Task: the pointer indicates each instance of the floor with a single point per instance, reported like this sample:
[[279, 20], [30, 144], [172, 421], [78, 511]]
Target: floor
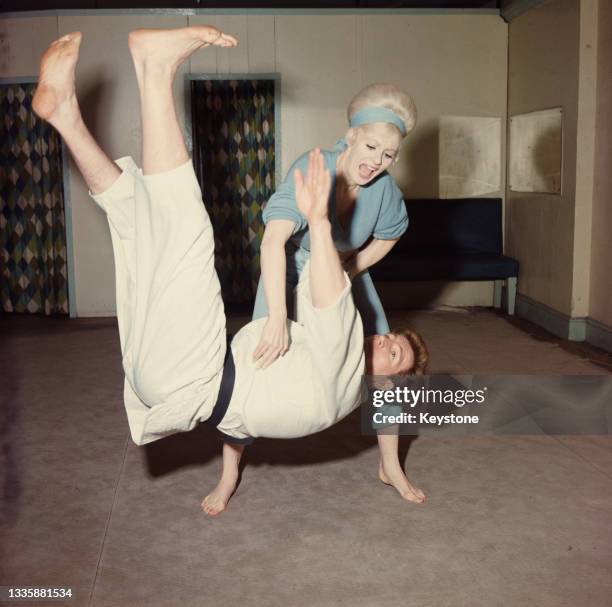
[[510, 520]]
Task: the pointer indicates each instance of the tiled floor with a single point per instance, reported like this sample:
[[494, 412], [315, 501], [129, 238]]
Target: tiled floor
[[509, 521]]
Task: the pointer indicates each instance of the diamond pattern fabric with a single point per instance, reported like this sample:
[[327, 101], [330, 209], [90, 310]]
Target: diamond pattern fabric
[[233, 123], [33, 260]]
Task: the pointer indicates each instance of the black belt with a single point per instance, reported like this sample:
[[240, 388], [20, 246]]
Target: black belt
[[224, 397]]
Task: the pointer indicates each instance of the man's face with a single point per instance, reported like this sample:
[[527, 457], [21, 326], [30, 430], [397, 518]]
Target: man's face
[[388, 354], [372, 149]]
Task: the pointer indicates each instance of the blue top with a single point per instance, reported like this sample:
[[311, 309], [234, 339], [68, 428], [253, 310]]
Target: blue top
[[379, 210]]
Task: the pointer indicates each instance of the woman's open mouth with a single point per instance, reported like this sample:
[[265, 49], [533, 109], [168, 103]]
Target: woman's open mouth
[[366, 172]]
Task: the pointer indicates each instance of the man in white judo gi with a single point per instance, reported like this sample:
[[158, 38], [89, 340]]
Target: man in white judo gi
[[178, 370]]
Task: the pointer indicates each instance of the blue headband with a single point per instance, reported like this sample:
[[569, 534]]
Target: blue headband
[[377, 114]]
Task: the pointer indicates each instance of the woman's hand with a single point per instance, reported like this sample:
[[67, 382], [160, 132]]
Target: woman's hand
[[367, 257], [350, 265], [312, 190], [273, 343]]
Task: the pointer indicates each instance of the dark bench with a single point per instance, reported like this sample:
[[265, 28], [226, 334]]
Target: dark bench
[[452, 239]]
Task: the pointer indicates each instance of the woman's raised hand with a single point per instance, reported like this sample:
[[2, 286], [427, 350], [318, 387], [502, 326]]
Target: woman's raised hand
[[312, 190], [273, 342]]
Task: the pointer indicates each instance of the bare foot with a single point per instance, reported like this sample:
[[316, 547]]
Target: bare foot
[[55, 98], [216, 501], [397, 479], [169, 48]]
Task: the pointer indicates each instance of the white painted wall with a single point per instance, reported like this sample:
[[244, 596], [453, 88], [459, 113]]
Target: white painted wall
[[559, 55], [543, 73], [451, 64]]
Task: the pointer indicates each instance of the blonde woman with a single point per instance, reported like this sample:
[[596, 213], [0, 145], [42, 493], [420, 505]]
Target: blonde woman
[[366, 209], [367, 215]]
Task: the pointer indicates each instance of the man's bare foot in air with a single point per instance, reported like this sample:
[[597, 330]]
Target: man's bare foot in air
[[55, 99], [395, 477], [167, 49], [216, 501]]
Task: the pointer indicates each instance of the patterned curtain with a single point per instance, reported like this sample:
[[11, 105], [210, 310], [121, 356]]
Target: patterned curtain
[[233, 126], [32, 232]]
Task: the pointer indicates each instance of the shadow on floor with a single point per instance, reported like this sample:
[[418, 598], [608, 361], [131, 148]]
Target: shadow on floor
[[343, 441]]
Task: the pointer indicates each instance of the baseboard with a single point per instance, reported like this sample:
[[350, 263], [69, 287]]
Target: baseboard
[[95, 314], [599, 335], [559, 324]]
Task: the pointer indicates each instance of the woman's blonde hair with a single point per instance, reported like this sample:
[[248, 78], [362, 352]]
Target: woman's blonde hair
[[388, 96]]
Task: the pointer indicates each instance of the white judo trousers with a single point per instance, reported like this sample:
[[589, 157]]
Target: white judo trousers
[[169, 308]]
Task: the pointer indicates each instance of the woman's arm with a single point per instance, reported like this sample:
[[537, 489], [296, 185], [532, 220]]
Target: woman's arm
[[274, 338], [368, 256]]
